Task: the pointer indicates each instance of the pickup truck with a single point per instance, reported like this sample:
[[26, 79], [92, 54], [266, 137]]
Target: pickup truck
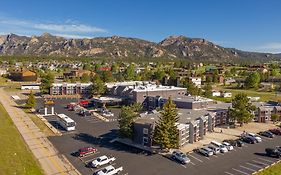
[[109, 170], [102, 160]]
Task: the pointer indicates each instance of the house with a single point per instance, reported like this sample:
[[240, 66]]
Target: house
[[264, 113], [76, 73], [30, 86], [23, 75], [3, 72], [216, 93], [196, 80]]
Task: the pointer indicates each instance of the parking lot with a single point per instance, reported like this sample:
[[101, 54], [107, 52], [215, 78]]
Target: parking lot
[[91, 131]]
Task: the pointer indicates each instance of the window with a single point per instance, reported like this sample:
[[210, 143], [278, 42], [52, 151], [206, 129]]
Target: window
[[145, 140], [145, 131]]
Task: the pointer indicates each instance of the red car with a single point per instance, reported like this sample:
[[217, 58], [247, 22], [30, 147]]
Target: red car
[[83, 103], [276, 131], [86, 151]]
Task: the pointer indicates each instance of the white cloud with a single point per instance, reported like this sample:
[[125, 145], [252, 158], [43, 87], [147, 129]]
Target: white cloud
[[272, 47], [77, 28], [72, 36], [68, 29]]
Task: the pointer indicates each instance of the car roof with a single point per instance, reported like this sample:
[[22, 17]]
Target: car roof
[[206, 148], [85, 148], [103, 157], [109, 167]]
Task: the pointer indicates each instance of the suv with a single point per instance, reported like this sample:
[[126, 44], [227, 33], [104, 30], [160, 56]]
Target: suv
[[276, 131], [273, 152], [215, 149], [206, 151], [255, 137], [228, 146], [248, 139], [266, 134], [180, 157], [86, 151]]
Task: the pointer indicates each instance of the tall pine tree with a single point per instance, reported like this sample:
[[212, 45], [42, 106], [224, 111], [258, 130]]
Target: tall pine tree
[[166, 132]]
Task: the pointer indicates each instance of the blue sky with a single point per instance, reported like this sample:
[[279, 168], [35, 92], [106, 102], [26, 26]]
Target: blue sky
[[253, 25]]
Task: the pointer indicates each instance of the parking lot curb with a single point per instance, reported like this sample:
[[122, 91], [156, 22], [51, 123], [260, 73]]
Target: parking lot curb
[[260, 170], [54, 130]]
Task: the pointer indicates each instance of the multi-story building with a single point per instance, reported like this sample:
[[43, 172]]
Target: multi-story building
[[192, 126], [138, 91], [70, 88]]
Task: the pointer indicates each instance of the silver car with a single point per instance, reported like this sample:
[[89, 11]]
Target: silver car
[[180, 157], [206, 151]]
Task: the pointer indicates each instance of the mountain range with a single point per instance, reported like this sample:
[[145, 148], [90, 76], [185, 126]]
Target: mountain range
[[123, 47]]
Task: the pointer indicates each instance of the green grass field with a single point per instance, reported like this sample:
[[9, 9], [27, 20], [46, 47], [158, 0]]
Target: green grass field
[[15, 157], [274, 170], [264, 96]]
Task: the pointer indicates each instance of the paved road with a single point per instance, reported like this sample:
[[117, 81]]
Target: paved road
[[92, 132], [50, 160]]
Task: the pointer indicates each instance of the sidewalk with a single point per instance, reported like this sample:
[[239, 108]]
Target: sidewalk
[[231, 133], [50, 160]]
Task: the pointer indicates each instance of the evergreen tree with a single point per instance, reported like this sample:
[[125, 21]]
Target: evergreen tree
[[129, 72], [31, 101], [208, 90], [98, 86], [253, 80], [46, 82], [166, 132], [191, 88], [242, 109], [85, 78], [126, 118]]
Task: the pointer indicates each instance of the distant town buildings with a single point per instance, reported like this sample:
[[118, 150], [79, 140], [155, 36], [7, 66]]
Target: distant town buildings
[[23, 75]]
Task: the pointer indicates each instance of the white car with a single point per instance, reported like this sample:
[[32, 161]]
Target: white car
[[109, 170], [222, 147], [255, 136], [228, 146], [108, 114], [102, 160]]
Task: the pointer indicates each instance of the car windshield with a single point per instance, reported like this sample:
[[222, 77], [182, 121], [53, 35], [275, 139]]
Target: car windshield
[[183, 155], [99, 159], [70, 124]]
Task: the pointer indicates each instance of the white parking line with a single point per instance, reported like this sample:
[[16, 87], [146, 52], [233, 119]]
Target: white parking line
[[228, 173], [254, 165], [250, 169], [207, 158], [260, 162], [195, 158], [215, 156], [240, 171], [270, 161], [183, 165], [192, 163]]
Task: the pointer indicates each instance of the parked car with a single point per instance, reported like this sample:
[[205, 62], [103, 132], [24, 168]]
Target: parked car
[[228, 146], [86, 151], [215, 149], [109, 170], [206, 151], [276, 131], [102, 160], [266, 134], [108, 114], [222, 147], [249, 139], [255, 136], [180, 157], [239, 143], [273, 152], [279, 148]]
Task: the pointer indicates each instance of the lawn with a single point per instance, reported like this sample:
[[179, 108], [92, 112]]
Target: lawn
[[274, 170], [15, 157], [264, 96]]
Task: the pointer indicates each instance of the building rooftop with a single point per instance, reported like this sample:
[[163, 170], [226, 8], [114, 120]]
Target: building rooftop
[[191, 99], [152, 87], [71, 84]]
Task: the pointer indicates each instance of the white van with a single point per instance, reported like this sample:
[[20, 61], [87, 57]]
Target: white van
[[222, 147]]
